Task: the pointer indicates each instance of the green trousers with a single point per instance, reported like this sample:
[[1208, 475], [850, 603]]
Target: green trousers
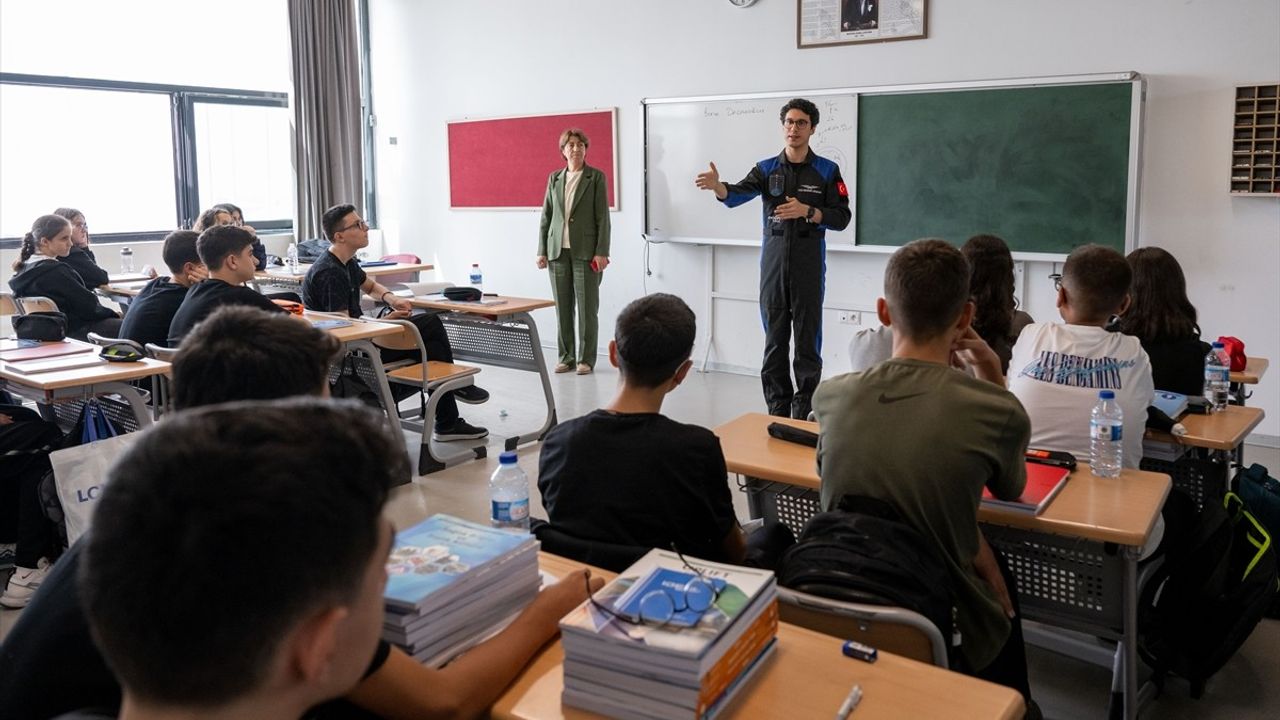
[[573, 283]]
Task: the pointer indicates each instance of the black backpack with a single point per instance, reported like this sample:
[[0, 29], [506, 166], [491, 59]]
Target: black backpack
[[1200, 606], [865, 553]]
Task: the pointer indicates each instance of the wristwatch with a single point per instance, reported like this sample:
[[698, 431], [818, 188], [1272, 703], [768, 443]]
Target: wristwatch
[[809, 215]]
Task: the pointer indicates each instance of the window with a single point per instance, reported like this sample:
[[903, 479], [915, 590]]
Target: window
[[244, 156], [108, 154]]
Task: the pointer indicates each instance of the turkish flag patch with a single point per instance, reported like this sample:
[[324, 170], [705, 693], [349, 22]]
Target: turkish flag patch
[[844, 189]]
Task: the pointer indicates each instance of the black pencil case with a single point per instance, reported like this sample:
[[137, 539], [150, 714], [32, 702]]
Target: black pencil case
[[793, 434]]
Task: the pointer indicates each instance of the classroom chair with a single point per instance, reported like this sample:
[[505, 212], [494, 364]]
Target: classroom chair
[[9, 305], [36, 303], [608, 556], [399, 278], [893, 629]]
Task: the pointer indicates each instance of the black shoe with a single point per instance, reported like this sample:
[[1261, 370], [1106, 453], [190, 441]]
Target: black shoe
[[800, 411], [471, 395], [780, 410], [460, 430]]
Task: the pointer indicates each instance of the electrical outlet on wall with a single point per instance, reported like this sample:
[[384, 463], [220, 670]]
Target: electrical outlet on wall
[[850, 317]]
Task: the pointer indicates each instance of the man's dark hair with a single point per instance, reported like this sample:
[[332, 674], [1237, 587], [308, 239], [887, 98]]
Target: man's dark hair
[[223, 527], [926, 285], [331, 221], [654, 336], [803, 106], [179, 249], [1097, 280], [243, 353], [219, 241]]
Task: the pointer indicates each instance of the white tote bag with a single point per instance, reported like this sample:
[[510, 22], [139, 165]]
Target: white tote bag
[[80, 472]]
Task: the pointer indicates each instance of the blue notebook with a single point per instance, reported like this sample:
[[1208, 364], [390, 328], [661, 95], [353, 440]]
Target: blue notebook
[[1170, 403]]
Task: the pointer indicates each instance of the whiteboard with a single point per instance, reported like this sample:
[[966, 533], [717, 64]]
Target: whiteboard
[[683, 135]]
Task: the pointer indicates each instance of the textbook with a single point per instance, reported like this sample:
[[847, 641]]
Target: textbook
[[330, 323], [690, 665], [1043, 484], [437, 552], [15, 350], [68, 362]]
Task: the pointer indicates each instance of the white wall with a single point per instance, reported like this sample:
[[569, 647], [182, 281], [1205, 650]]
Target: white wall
[[435, 61]]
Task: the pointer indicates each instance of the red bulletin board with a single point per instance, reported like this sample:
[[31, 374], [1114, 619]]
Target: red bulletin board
[[503, 163]]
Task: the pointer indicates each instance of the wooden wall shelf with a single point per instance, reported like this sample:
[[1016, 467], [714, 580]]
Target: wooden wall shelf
[[1255, 144]]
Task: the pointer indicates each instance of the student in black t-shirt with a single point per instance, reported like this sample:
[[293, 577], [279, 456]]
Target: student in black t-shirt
[[152, 311], [49, 664], [628, 475], [227, 252], [334, 283]]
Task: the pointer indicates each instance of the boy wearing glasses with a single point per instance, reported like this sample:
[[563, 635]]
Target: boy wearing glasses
[[334, 283], [1057, 369], [803, 196]]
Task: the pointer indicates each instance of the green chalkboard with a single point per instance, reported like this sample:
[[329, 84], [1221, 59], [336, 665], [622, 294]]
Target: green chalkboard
[[1045, 168]]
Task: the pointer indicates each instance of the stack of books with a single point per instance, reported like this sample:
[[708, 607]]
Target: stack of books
[[451, 584], [624, 665]]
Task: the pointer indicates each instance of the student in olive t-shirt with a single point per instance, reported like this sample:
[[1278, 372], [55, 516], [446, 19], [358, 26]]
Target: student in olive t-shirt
[[628, 475], [227, 252], [926, 438]]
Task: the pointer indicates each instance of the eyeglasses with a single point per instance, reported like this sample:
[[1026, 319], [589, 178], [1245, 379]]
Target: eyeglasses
[[659, 607], [796, 122], [357, 224], [1057, 281]]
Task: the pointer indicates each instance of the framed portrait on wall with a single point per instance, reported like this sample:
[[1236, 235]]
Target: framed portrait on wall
[[822, 23]]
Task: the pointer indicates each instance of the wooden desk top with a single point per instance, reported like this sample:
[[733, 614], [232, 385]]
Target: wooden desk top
[[807, 677], [1217, 431], [1254, 369], [82, 376], [278, 272], [511, 306], [1122, 510], [113, 278], [359, 329], [126, 288]]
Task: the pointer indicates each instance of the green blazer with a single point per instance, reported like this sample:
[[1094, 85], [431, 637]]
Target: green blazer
[[588, 223]]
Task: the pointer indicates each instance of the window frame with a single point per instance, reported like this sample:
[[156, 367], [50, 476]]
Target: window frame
[[182, 99]]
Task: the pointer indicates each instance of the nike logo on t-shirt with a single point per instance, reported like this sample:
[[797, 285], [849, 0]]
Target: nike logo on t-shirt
[[887, 399]]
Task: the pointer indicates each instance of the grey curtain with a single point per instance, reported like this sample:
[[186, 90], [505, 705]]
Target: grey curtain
[[326, 110]]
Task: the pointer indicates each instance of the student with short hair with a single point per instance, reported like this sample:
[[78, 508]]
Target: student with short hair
[[274, 603], [49, 664], [926, 438], [628, 475], [1057, 369], [1163, 319], [81, 258], [334, 283], [37, 272], [152, 311], [227, 252]]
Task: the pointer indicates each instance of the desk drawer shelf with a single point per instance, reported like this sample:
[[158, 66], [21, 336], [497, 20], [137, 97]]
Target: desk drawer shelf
[[507, 345], [789, 504], [1202, 478], [67, 413]]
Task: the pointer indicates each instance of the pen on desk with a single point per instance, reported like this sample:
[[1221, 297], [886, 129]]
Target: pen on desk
[[850, 702]]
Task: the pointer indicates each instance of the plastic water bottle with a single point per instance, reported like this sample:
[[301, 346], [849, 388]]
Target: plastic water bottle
[[291, 258], [126, 260], [509, 494], [1217, 377], [477, 279], [1106, 436]]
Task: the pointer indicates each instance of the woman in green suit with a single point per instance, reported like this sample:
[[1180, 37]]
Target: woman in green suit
[[573, 238]]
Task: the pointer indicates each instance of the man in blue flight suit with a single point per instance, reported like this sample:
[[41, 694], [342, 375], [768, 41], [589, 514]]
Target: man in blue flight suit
[[803, 195]]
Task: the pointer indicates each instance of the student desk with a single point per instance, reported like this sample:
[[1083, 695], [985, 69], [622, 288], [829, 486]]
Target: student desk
[[107, 378], [122, 292], [1222, 434], [1254, 369], [499, 333], [359, 336], [806, 678], [279, 275], [1076, 564]]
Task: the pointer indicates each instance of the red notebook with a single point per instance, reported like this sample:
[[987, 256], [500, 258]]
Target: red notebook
[[1043, 484]]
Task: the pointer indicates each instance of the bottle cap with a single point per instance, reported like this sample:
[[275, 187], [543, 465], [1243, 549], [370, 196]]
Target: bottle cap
[[1218, 345], [1107, 395], [507, 458]]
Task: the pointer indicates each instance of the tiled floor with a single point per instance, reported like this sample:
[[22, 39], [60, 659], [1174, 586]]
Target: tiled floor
[[1064, 687]]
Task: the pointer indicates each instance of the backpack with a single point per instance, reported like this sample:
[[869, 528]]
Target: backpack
[[865, 553], [1200, 606], [1261, 495]]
